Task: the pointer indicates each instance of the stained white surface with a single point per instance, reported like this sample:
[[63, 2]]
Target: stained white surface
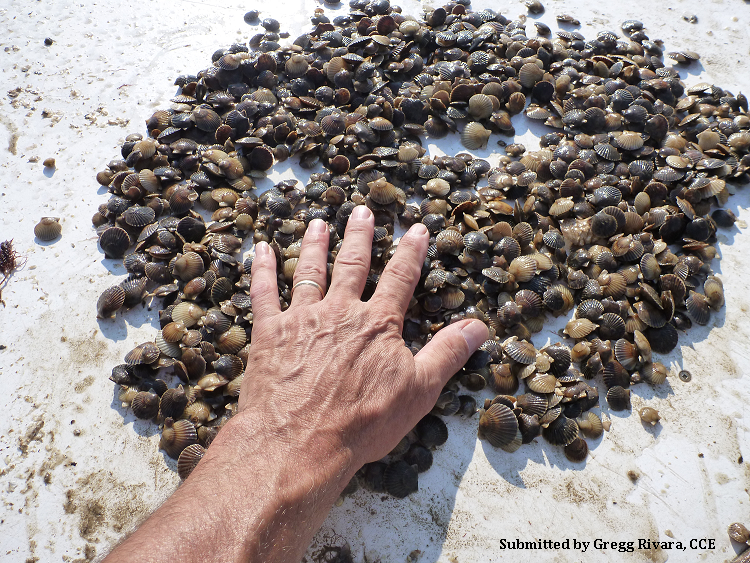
[[74, 479]]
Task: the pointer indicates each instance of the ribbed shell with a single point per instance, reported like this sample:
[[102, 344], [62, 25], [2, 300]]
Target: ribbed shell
[[145, 404], [474, 136], [110, 301], [146, 353], [590, 424], [498, 425], [432, 431], [561, 431], [521, 351], [400, 479], [618, 398], [188, 460], [47, 229], [176, 436], [231, 341]]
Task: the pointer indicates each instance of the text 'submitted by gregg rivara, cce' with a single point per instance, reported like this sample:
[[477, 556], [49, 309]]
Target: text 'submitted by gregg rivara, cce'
[[598, 544]]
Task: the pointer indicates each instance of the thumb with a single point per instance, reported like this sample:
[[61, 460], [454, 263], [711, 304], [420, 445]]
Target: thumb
[[447, 352]]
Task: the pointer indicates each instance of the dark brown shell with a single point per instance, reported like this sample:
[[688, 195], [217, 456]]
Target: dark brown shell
[[561, 431], [498, 425], [110, 301], [400, 479], [577, 450], [115, 242], [618, 398], [188, 460]]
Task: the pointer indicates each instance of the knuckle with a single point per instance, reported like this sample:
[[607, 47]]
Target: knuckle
[[352, 260], [309, 271], [402, 272], [261, 287]]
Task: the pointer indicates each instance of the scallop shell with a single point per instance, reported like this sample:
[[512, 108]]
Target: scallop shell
[[521, 351], [579, 328], [618, 398], [577, 450], [530, 74], [474, 136], [400, 479], [231, 341], [188, 266], [649, 415], [738, 532], [146, 353], [382, 191], [522, 268], [188, 460], [187, 313], [110, 301], [114, 241], [698, 308], [432, 431], [145, 404], [176, 436], [296, 66], [481, 106], [173, 402], [48, 229], [542, 383], [561, 431], [590, 425], [498, 425]]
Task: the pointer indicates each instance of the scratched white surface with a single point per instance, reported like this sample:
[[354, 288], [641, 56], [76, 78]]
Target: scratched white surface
[[74, 479]]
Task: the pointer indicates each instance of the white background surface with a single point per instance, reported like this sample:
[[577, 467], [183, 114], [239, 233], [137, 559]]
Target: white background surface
[[74, 478]]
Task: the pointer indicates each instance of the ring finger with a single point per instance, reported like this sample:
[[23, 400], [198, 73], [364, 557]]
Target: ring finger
[[309, 283]]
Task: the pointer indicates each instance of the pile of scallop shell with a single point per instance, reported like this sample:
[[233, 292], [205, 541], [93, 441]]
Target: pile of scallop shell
[[610, 218]]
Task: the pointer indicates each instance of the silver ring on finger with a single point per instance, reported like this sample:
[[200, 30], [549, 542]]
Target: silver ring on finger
[[312, 283]]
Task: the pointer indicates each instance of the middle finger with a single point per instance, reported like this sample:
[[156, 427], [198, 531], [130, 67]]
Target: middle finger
[[352, 264]]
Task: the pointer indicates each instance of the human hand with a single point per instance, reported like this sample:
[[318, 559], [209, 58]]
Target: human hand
[[334, 370]]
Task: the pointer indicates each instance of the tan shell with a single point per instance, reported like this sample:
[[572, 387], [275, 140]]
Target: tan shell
[[475, 136]]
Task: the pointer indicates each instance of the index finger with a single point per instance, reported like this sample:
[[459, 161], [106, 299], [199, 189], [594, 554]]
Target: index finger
[[400, 277]]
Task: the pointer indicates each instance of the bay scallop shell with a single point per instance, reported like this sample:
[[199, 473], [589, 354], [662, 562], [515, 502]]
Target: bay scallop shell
[[400, 479], [481, 106], [114, 241], [521, 351], [47, 229], [145, 404], [432, 431], [561, 431], [474, 136], [187, 313], [176, 436], [590, 425], [146, 353], [577, 450], [618, 398], [231, 341], [173, 402], [110, 301], [188, 460], [498, 425]]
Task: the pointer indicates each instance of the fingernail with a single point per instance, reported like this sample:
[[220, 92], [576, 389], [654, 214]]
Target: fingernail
[[475, 333], [262, 249], [317, 227], [418, 229], [361, 212]]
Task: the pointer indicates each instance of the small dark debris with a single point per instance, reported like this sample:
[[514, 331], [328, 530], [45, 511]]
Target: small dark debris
[[48, 41]]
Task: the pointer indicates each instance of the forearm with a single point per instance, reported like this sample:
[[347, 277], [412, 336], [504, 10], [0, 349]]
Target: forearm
[[254, 497]]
